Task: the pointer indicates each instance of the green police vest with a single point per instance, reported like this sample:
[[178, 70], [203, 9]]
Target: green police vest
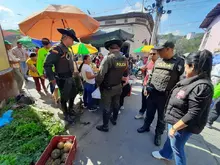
[[115, 73]]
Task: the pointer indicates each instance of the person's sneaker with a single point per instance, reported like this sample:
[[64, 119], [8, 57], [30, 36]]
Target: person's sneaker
[[143, 129], [122, 108], [157, 140], [157, 155], [139, 116], [209, 126], [119, 112], [84, 106], [113, 121], [102, 128], [92, 109]]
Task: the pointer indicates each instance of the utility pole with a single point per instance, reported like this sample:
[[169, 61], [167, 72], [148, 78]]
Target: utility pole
[[142, 10], [157, 21]]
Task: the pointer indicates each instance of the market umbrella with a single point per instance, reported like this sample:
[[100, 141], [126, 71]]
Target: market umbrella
[[83, 49], [145, 48], [27, 42], [45, 23]]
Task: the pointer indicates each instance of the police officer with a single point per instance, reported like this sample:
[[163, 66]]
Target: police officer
[[166, 73], [61, 58], [109, 79]]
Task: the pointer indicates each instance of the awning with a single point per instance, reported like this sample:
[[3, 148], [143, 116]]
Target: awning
[[100, 37]]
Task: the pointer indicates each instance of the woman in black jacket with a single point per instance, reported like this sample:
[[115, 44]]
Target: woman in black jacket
[[188, 106]]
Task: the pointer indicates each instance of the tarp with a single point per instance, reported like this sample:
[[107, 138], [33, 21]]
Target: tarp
[[100, 37], [216, 59]]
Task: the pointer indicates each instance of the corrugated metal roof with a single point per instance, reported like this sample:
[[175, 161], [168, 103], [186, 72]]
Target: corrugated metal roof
[[211, 16]]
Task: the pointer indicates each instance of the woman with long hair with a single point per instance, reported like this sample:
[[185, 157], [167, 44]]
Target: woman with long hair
[[188, 106], [88, 82]]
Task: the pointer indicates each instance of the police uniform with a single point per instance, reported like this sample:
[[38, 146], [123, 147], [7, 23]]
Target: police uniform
[[61, 58], [109, 79], [165, 75]]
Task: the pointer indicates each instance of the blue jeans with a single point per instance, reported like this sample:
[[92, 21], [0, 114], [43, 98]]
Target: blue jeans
[[24, 68], [87, 95], [175, 146]]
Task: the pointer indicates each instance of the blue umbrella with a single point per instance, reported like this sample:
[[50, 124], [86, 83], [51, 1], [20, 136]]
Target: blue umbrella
[[216, 59]]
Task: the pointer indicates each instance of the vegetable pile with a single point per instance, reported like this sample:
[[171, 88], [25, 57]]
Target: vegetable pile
[[60, 154], [25, 138]]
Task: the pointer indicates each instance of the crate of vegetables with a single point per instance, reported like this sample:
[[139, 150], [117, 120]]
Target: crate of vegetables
[[60, 151]]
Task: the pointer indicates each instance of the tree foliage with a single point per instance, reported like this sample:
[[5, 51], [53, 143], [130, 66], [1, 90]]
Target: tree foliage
[[182, 45]]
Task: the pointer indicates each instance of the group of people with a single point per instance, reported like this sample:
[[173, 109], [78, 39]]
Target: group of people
[[179, 90]]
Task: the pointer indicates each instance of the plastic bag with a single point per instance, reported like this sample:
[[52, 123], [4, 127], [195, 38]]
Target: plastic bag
[[96, 94]]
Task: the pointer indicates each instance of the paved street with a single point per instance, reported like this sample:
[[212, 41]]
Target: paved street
[[122, 145]]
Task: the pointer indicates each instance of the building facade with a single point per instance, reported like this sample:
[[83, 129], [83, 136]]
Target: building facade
[[211, 25], [137, 23]]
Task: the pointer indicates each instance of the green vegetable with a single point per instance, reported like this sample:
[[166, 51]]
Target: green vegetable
[[26, 137]]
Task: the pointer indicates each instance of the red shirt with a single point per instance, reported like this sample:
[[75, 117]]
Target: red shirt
[[149, 69]]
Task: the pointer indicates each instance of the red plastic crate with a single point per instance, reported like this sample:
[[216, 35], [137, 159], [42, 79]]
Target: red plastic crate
[[53, 144]]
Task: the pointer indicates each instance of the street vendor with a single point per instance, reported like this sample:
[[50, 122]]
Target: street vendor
[[61, 57]]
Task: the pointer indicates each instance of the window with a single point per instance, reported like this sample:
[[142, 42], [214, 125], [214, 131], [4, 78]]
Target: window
[[140, 20], [110, 22], [126, 20]]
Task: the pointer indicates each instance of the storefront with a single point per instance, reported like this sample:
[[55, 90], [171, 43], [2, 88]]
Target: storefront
[[8, 86]]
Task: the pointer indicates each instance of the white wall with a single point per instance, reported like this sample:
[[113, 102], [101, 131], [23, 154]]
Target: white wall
[[213, 41]]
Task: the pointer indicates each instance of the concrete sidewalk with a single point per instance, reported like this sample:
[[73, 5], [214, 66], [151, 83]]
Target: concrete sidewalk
[[123, 145]]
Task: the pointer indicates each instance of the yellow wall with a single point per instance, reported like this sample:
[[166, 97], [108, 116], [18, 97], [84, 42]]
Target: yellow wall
[[4, 63]]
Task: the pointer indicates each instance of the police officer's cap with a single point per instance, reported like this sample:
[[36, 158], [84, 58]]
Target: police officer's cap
[[167, 44], [112, 42], [69, 32]]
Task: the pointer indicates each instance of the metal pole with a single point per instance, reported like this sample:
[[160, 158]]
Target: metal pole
[[142, 10], [156, 24]]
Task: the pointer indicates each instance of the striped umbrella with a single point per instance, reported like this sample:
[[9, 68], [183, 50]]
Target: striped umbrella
[[144, 48], [84, 49]]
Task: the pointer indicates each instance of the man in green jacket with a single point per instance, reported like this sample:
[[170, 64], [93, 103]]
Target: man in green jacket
[[215, 110]]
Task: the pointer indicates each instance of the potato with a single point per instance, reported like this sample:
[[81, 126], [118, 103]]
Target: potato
[[55, 154], [49, 161], [64, 157], [56, 162], [67, 146], [62, 152], [60, 145]]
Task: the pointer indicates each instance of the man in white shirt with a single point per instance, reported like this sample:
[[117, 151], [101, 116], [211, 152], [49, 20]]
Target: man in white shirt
[[20, 53], [15, 64]]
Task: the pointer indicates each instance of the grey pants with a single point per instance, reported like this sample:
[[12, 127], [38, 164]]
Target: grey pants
[[18, 78]]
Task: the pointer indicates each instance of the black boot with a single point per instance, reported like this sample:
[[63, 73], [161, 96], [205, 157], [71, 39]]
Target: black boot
[[144, 128], [113, 121], [102, 128], [157, 140]]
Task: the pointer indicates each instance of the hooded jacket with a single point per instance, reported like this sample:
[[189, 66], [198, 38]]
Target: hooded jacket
[[190, 102]]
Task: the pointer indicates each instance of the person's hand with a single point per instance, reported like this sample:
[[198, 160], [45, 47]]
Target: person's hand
[[172, 132], [145, 92], [53, 82]]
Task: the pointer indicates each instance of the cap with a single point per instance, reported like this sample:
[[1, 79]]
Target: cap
[[7, 42], [166, 44], [69, 32], [111, 42], [18, 42]]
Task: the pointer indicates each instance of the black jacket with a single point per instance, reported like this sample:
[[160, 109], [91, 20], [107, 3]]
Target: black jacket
[[190, 101]]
